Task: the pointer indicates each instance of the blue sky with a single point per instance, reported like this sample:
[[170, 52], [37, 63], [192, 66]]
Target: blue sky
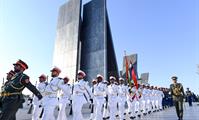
[[164, 34]]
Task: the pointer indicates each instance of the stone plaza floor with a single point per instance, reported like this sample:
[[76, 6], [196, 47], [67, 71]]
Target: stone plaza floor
[[190, 113]]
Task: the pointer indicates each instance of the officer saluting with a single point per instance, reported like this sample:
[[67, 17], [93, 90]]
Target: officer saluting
[[8, 78], [178, 94], [12, 93]]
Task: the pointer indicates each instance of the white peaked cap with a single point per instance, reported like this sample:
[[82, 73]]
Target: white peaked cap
[[112, 77], [94, 80], [121, 79], [100, 76], [81, 72]]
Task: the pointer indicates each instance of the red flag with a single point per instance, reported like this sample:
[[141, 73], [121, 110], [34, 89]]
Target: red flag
[[134, 77]]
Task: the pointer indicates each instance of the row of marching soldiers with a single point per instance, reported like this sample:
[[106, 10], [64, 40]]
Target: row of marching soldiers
[[107, 99]]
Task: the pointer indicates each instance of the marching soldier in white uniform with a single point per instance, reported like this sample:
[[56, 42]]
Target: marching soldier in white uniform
[[105, 106], [99, 93], [160, 97], [130, 99], [112, 97], [37, 104], [122, 96], [81, 95], [138, 103], [148, 99], [64, 99], [144, 100], [93, 105], [152, 98], [156, 92], [51, 100]]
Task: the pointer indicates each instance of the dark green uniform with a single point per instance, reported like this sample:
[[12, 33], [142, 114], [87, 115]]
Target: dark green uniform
[[12, 96], [177, 93]]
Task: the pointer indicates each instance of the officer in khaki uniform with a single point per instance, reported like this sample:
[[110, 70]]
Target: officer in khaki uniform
[[12, 92], [178, 94]]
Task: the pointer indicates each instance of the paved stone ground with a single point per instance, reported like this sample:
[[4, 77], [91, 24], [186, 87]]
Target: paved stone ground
[[190, 113]]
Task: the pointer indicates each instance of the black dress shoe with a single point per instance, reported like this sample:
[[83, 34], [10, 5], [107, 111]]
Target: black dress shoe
[[132, 117], [149, 112], [136, 111]]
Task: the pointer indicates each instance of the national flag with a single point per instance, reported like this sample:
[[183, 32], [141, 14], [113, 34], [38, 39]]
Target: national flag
[[133, 71]]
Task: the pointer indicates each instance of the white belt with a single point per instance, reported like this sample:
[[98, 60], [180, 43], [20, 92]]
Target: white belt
[[122, 95], [99, 97], [98, 94], [113, 95], [51, 96], [79, 94]]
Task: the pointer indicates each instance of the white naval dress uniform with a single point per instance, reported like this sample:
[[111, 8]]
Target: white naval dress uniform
[[122, 98], [129, 100], [37, 104], [92, 116], [81, 95], [99, 93], [160, 97], [153, 98], [112, 100], [105, 106], [64, 100], [51, 100], [148, 102], [156, 98], [138, 102], [144, 99]]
